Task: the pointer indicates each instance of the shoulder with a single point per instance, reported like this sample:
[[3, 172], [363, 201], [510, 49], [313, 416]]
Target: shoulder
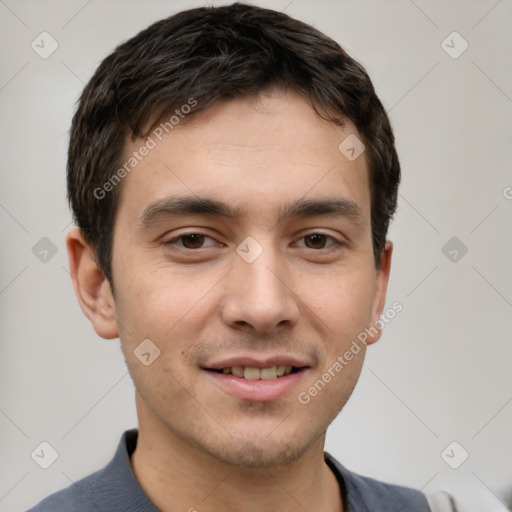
[[367, 494], [80, 496], [113, 488]]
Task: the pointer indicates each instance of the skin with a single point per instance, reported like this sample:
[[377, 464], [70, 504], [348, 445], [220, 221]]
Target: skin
[[200, 447]]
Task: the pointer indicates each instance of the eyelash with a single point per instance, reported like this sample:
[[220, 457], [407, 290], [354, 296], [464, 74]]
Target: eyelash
[[173, 241]]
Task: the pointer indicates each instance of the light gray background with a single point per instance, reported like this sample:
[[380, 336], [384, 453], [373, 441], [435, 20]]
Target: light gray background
[[441, 372]]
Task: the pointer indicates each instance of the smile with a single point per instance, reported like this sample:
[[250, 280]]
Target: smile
[[252, 373], [249, 383]]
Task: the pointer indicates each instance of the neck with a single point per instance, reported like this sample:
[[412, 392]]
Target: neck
[[178, 476]]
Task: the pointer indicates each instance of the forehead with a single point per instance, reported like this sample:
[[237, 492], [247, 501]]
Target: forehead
[[250, 152]]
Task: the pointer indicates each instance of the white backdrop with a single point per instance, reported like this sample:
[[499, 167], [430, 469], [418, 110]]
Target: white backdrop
[[440, 373]]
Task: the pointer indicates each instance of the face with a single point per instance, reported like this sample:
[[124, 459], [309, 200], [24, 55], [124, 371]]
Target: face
[[242, 250]]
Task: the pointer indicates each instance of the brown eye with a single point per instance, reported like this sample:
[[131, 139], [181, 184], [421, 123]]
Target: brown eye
[[192, 241], [316, 241]]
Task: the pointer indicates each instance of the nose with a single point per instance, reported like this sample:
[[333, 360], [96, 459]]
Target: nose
[[259, 296]]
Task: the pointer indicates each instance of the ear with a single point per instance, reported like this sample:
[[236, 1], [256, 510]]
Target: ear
[[381, 286], [91, 286]]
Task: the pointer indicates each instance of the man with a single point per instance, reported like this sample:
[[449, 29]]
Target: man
[[232, 176]]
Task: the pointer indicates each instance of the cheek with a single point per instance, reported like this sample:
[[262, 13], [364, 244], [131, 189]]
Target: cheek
[[157, 320], [158, 301], [172, 310], [341, 302], [327, 391]]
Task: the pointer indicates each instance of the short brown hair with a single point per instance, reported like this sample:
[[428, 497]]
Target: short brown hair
[[208, 54]]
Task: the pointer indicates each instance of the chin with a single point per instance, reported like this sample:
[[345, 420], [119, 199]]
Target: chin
[[251, 455], [261, 452]]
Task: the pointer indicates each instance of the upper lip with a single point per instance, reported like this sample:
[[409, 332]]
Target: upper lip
[[257, 362]]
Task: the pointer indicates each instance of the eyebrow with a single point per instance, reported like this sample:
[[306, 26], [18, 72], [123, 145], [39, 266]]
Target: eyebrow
[[195, 205]]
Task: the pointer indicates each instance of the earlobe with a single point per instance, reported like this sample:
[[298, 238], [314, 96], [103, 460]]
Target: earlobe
[[92, 289], [382, 279]]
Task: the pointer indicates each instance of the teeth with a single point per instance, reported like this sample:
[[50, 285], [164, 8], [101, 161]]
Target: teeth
[[250, 373], [237, 371], [268, 373]]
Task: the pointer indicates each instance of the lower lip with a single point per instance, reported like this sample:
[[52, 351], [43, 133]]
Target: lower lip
[[257, 390]]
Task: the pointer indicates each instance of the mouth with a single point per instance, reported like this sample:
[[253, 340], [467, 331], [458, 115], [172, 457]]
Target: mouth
[[253, 373], [254, 380]]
